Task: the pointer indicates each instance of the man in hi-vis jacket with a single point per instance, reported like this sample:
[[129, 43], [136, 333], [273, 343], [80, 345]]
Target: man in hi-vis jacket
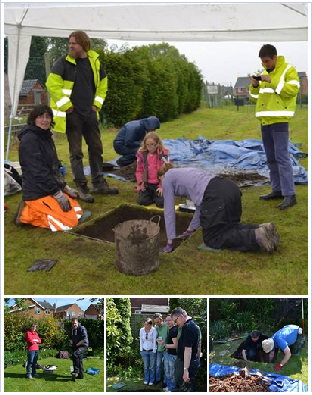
[[275, 92], [77, 86]]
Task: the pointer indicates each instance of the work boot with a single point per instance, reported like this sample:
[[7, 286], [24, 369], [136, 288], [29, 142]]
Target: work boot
[[264, 239], [288, 201], [272, 195], [18, 213], [272, 232], [84, 194], [105, 189]]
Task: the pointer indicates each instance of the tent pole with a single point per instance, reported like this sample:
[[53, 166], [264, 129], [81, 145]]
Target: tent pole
[[9, 136]]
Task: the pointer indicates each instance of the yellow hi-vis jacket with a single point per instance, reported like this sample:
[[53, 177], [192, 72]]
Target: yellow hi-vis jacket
[[276, 101], [60, 85]]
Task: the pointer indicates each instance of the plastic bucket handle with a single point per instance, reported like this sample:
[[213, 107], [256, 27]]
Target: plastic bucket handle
[[156, 216]]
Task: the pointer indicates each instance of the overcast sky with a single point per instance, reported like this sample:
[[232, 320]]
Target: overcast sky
[[223, 62]]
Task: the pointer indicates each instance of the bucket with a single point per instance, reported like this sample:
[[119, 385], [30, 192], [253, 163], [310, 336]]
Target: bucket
[[137, 246]]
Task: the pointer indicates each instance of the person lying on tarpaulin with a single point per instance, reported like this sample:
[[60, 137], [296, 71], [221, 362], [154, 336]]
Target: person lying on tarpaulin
[[218, 210]]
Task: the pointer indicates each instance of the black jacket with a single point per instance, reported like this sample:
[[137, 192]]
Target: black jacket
[[39, 162], [76, 335]]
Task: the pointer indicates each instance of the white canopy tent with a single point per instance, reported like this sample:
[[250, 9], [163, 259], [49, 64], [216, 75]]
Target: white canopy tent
[[263, 22]]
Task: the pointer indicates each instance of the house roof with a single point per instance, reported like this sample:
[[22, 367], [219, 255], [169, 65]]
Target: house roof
[[27, 87], [97, 307], [30, 305], [242, 82], [46, 305], [63, 308], [302, 74]]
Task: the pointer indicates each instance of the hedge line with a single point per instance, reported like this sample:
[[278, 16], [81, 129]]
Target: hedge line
[[149, 80], [54, 333]]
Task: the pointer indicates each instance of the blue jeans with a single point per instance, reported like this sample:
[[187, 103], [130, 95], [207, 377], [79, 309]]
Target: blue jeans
[[251, 353], [170, 370], [159, 360], [275, 141], [128, 154], [149, 365], [32, 362]]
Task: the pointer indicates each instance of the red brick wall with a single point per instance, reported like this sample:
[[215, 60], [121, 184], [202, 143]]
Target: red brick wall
[[74, 308]]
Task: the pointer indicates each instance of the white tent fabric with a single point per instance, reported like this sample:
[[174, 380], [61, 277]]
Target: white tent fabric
[[147, 22]]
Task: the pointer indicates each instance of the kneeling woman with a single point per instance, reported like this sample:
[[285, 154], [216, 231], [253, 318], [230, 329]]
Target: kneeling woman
[[218, 211], [47, 200], [148, 349]]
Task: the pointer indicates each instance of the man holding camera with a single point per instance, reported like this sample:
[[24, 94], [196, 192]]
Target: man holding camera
[[275, 92]]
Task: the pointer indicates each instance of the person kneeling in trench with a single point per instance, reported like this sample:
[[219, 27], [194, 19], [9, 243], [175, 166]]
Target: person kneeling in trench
[[47, 202], [218, 210]]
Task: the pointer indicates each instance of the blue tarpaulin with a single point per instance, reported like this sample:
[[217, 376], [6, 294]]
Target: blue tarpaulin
[[229, 155], [221, 156], [278, 383]]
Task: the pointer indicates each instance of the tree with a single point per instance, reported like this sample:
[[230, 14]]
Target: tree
[[19, 302]]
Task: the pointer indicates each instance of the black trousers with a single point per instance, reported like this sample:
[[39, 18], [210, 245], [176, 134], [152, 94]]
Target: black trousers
[[77, 360], [220, 214], [150, 196]]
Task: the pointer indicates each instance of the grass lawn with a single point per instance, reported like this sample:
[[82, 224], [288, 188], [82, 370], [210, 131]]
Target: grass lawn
[[58, 381], [87, 267], [296, 367]]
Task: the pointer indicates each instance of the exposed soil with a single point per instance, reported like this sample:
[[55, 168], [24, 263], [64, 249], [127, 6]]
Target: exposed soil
[[244, 178], [237, 383], [102, 227], [128, 172], [241, 178], [261, 356]]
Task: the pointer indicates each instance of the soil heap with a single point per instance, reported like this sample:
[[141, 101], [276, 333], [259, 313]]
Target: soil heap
[[237, 383]]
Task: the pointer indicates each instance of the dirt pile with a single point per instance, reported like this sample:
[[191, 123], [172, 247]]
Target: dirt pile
[[237, 383]]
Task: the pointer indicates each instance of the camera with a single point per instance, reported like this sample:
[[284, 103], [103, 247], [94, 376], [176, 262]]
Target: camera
[[257, 77]]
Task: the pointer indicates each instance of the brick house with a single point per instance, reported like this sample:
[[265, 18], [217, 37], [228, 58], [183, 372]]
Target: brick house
[[241, 87], [149, 305], [94, 312], [304, 88], [36, 309], [69, 311], [32, 93]]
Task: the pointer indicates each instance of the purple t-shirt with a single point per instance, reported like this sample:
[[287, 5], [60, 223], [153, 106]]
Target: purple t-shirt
[[185, 182]]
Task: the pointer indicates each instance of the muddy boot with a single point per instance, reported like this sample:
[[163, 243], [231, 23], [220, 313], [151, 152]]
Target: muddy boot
[[272, 231], [105, 189], [84, 194], [18, 213], [264, 239]]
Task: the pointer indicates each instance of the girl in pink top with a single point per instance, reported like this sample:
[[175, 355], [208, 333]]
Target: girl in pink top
[[150, 157], [32, 339]]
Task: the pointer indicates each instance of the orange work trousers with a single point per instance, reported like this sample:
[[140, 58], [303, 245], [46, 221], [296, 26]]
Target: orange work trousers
[[47, 213]]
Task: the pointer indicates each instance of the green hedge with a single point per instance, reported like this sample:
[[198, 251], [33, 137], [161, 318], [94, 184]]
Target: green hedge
[[149, 80], [95, 329]]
